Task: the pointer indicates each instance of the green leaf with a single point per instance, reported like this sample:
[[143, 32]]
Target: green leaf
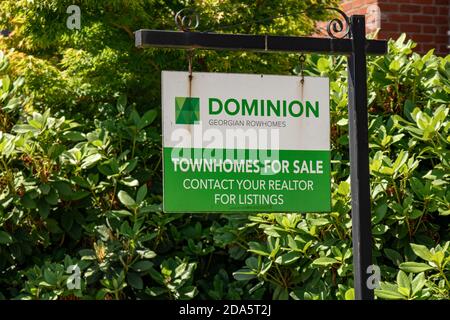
[[421, 251], [417, 187], [87, 254], [45, 188], [44, 208], [74, 136], [67, 220], [142, 192], [394, 256], [135, 280], [342, 122], [52, 226], [129, 182], [280, 293], [379, 229], [402, 280], [344, 188], [119, 213], [395, 65], [415, 267], [25, 128], [106, 169], [350, 294], [142, 266], [28, 202], [187, 292], [404, 291], [52, 197], [244, 274], [258, 248], [78, 195], [389, 295], [63, 188], [147, 119], [152, 208], [89, 161], [147, 254], [418, 283], [323, 64], [5, 237], [121, 103], [50, 277], [401, 160], [325, 261], [380, 212], [155, 291], [415, 214], [125, 199], [287, 258]]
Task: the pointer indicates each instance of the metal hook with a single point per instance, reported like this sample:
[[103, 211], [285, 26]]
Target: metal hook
[[190, 56], [302, 60]]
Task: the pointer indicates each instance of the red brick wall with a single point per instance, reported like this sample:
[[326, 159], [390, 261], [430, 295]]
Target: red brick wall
[[425, 21]]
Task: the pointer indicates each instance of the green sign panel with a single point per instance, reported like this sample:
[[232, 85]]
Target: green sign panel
[[245, 143]]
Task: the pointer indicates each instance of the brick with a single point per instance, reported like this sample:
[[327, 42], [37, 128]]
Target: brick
[[390, 26], [440, 20], [409, 28], [410, 8], [388, 7], [422, 38], [422, 19], [429, 9], [443, 29], [394, 17], [429, 29], [354, 4], [440, 39], [388, 35], [427, 47], [422, 1], [443, 11], [441, 2]]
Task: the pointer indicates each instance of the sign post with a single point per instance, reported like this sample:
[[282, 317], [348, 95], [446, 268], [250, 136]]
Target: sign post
[[359, 160], [355, 46]]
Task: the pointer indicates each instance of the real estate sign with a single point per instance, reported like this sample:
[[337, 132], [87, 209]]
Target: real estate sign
[[245, 143]]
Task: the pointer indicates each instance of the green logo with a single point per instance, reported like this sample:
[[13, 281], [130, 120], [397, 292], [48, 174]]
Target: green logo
[[187, 110]]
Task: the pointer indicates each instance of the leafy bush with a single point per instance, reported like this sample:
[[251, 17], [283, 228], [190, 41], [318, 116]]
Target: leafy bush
[[76, 195], [80, 179], [309, 256]]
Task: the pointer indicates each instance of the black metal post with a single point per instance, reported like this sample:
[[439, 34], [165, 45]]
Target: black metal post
[[246, 42], [359, 159]]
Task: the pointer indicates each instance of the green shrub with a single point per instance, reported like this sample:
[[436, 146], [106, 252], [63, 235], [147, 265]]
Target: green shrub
[[87, 193], [309, 256]]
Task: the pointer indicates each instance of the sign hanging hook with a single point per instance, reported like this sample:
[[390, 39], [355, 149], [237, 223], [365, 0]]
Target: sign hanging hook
[[190, 56], [302, 60]]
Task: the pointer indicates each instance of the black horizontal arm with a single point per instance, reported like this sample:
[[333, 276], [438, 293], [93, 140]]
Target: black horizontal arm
[[219, 41]]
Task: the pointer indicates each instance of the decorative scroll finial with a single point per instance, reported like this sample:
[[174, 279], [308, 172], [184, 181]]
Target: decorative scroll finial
[[336, 25], [187, 19]]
